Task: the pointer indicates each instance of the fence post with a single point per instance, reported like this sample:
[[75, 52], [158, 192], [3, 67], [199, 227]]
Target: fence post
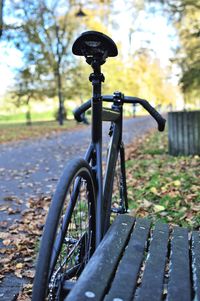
[[184, 133]]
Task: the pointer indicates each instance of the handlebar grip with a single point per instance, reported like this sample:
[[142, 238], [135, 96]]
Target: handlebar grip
[[79, 111], [160, 120]]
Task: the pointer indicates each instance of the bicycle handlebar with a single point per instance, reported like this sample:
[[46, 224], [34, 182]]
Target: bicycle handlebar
[[153, 112], [126, 99], [79, 111]]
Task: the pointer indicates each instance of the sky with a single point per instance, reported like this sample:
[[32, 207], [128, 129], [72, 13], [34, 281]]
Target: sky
[[152, 31], [9, 59]]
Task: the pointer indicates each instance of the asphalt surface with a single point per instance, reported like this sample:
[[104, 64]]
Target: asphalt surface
[[31, 168]]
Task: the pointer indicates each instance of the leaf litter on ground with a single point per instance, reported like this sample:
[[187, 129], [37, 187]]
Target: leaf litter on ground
[[20, 244], [170, 184], [159, 186]]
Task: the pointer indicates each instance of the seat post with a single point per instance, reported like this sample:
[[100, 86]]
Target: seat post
[[96, 79]]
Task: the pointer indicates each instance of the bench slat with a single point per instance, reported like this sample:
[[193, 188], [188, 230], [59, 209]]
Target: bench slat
[[125, 281], [179, 287], [97, 275], [152, 280], [196, 263]]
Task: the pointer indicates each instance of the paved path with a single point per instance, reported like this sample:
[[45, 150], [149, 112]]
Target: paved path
[[32, 168]]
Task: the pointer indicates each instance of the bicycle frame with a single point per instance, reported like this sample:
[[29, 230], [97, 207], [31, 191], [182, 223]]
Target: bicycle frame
[[94, 152], [96, 47]]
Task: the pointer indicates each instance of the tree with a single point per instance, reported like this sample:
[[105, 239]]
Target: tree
[[77, 82], [26, 89], [46, 33], [185, 15], [189, 51]]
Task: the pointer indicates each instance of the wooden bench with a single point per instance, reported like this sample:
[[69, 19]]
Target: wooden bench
[[138, 261]]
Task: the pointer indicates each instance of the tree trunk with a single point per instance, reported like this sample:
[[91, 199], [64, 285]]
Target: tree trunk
[[59, 79], [184, 133], [61, 106], [28, 112], [1, 17]]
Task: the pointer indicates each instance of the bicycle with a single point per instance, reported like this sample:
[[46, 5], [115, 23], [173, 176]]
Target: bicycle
[[80, 212]]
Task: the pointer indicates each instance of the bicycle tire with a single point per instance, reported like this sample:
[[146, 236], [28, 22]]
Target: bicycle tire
[[66, 247]]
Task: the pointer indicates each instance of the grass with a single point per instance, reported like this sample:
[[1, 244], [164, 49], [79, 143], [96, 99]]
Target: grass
[[161, 186], [20, 131], [20, 117]]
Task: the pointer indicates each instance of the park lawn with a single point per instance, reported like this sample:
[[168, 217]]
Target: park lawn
[[163, 187], [10, 132]]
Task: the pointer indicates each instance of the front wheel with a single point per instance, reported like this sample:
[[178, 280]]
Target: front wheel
[[68, 240]]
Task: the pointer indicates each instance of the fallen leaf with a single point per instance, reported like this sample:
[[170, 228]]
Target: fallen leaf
[[18, 273], [6, 242], [29, 274], [146, 204], [23, 297], [3, 208], [5, 260], [19, 266], [158, 208], [195, 188], [177, 183], [196, 208], [4, 235], [9, 198], [154, 190], [13, 211]]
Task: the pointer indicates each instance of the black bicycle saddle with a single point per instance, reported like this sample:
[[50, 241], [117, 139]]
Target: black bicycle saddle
[[94, 44]]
